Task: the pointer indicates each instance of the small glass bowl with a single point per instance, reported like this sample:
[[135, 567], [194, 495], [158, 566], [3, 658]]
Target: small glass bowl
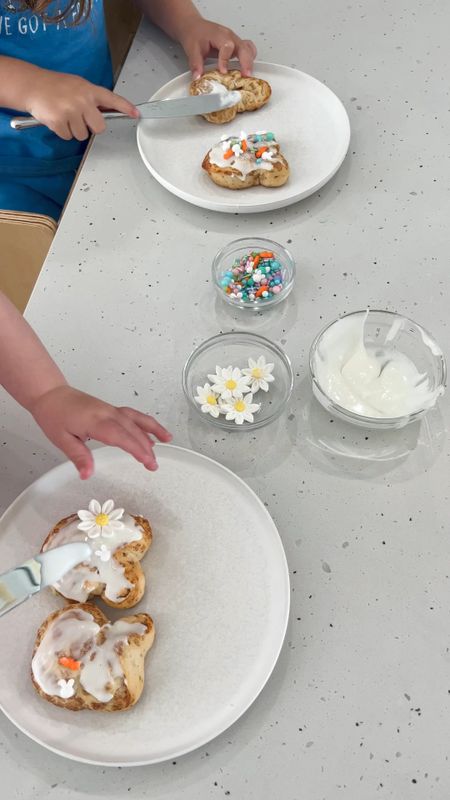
[[408, 338], [235, 349], [224, 261]]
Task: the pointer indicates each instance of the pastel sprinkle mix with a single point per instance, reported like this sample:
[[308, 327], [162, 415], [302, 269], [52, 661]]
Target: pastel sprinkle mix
[[253, 144], [255, 276]]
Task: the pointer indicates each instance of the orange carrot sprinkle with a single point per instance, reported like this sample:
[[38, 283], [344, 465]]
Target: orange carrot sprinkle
[[244, 145], [70, 663], [261, 151], [256, 260], [228, 153], [260, 291], [265, 255]]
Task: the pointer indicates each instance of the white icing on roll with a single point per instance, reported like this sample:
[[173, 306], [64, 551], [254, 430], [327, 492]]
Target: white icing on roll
[[74, 634], [245, 160], [106, 530], [215, 87]]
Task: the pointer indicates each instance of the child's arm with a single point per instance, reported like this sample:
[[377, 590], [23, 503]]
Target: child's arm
[[67, 104], [198, 36], [67, 417]]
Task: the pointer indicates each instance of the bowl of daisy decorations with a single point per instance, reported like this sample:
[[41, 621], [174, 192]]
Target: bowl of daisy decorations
[[238, 381]]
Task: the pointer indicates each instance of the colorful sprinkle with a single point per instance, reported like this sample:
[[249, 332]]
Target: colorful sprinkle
[[69, 663]]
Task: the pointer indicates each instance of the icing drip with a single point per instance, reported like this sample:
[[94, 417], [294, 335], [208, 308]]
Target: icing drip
[[118, 530], [246, 153], [76, 633]]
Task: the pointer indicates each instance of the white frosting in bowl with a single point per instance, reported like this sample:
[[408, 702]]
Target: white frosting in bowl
[[377, 381]]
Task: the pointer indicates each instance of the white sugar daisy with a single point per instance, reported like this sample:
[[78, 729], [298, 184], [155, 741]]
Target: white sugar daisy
[[240, 408], [229, 382], [259, 374], [208, 400], [100, 520]]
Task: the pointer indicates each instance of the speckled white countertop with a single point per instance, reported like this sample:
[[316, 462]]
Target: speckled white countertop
[[359, 704]]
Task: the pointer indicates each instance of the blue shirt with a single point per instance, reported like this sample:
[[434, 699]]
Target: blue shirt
[[80, 50]]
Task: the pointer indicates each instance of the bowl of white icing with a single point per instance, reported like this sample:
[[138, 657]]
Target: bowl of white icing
[[377, 369]]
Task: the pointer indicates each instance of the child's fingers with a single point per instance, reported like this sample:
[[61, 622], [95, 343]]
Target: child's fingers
[[246, 53], [113, 433], [144, 440], [94, 120], [226, 51], [114, 102], [78, 453], [195, 57], [61, 128], [148, 424], [78, 127]]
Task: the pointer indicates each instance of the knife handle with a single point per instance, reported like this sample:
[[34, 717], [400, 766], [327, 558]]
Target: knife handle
[[21, 123]]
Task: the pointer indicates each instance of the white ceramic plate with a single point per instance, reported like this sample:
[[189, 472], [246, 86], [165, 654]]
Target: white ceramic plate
[[309, 121], [217, 589]]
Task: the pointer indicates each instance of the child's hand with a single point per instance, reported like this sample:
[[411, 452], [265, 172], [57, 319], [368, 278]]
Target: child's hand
[[69, 105], [69, 417], [201, 38]]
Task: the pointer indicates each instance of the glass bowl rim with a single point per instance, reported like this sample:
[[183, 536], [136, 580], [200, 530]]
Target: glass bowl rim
[[352, 415]]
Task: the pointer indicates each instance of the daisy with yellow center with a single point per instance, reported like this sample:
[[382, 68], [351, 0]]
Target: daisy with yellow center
[[240, 408], [100, 520], [259, 374], [208, 400], [229, 382]]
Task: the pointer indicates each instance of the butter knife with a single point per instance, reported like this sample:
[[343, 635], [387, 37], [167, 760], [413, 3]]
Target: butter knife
[[159, 109], [45, 569]]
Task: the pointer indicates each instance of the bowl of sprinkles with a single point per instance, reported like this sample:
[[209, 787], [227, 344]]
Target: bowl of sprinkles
[[253, 273], [238, 381]]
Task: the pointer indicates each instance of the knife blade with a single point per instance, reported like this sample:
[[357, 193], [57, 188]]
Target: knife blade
[[42, 570], [160, 109], [187, 106]]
